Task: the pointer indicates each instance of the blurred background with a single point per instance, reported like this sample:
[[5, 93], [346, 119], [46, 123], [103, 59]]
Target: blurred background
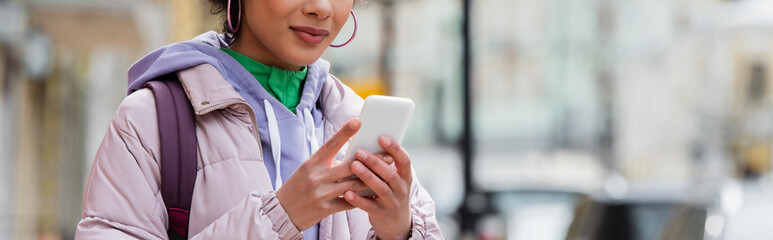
[[536, 119]]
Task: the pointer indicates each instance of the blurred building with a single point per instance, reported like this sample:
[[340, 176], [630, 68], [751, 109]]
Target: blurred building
[[577, 104], [635, 100], [63, 72]]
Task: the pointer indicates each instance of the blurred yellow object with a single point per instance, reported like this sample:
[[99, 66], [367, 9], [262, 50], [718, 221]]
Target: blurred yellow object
[[187, 21], [367, 86], [755, 157]]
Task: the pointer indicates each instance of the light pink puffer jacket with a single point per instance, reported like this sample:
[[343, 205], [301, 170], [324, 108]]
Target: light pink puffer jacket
[[233, 197]]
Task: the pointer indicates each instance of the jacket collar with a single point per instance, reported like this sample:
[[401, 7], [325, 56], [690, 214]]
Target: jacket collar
[[207, 89]]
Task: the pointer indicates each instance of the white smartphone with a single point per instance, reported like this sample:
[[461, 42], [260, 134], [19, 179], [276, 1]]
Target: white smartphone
[[380, 116]]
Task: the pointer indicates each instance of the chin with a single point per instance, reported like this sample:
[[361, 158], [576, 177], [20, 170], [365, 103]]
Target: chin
[[305, 62], [304, 58]]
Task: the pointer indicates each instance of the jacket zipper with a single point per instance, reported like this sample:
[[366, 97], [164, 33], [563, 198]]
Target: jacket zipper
[[252, 119]]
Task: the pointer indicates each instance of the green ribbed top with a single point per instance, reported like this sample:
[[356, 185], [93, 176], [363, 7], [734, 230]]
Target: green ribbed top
[[286, 86]]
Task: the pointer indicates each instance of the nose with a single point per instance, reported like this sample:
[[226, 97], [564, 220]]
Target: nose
[[319, 9]]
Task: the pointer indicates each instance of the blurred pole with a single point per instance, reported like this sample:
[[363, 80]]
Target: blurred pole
[[468, 211], [387, 41], [606, 84]]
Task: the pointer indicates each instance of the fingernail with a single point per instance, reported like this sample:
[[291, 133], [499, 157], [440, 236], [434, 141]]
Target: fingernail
[[357, 167], [361, 155], [385, 140], [355, 124], [349, 196]]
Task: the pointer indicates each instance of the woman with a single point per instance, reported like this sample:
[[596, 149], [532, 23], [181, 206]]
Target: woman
[[264, 101]]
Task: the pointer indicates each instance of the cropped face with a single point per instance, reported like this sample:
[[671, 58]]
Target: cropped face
[[292, 32]]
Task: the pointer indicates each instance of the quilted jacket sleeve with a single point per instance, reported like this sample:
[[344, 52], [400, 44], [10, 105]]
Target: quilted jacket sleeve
[[122, 198]]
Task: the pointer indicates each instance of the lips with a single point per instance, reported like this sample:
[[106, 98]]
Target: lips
[[310, 35]]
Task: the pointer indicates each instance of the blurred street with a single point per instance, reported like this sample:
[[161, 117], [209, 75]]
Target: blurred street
[[588, 119], [753, 219]]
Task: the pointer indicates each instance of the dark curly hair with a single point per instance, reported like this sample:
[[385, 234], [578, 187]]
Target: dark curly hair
[[219, 8]]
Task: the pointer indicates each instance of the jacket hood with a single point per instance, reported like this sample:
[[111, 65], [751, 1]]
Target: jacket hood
[[205, 49], [177, 56]]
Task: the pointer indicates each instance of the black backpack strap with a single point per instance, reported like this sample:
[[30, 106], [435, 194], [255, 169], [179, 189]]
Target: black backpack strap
[[177, 131]]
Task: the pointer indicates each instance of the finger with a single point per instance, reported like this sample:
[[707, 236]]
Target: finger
[[368, 205], [340, 171], [331, 147], [340, 204], [381, 169], [355, 185], [402, 160], [388, 159], [371, 180]]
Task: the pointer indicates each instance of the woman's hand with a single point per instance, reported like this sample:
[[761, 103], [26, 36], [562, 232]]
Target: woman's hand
[[389, 213], [312, 192]]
